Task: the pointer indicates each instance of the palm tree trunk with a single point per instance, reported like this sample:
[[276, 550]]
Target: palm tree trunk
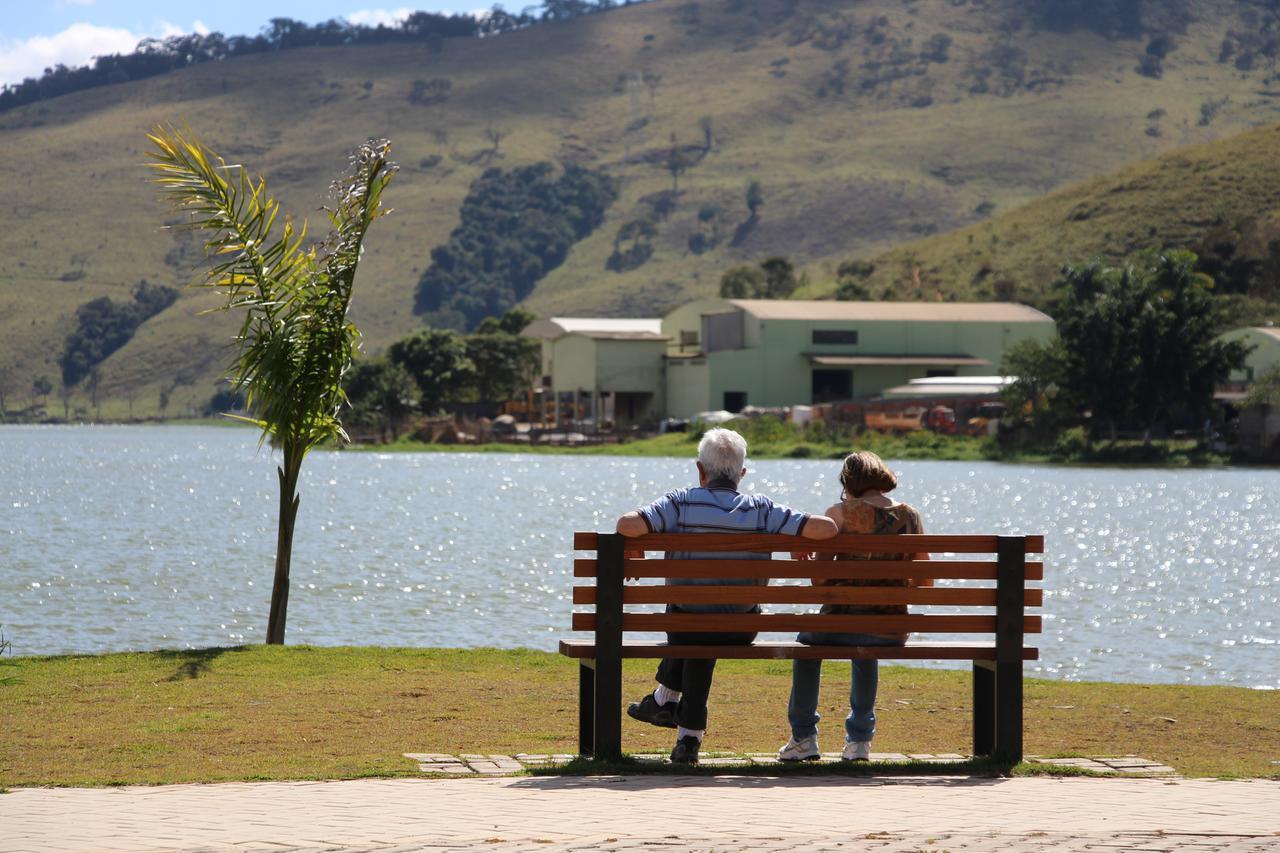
[[288, 473]]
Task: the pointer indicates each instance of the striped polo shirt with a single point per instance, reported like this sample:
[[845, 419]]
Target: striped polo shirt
[[719, 507]]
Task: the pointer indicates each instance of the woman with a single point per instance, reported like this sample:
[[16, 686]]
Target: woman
[[864, 508]]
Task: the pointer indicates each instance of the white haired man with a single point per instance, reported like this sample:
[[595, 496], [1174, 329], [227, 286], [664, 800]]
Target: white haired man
[[715, 506]]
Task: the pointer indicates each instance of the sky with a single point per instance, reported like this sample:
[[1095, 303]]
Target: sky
[[37, 34]]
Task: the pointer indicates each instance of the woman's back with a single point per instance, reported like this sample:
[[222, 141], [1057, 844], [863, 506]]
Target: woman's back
[[861, 517]]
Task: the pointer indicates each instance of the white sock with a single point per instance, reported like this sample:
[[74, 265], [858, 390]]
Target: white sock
[[682, 732], [665, 694]]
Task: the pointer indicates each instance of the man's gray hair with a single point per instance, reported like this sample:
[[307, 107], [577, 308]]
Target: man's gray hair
[[722, 453]]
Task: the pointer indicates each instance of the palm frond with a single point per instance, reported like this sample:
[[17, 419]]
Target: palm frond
[[296, 340]]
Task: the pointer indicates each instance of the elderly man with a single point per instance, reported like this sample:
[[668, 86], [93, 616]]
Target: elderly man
[[715, 506]]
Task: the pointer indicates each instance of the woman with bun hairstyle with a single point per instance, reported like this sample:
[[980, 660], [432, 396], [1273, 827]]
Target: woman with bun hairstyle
[[864, 507]]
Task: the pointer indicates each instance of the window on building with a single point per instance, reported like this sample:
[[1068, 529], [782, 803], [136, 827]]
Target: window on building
[[688, 339], [835, 336], [735, 401], [829, 385]]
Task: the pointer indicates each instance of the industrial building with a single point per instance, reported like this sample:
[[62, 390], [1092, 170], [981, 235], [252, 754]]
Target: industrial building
[[732, 353], [602, 369], [1263, 356]]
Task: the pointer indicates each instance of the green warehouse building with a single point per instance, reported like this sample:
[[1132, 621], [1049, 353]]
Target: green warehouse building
[[731, 353], [1264, 354]]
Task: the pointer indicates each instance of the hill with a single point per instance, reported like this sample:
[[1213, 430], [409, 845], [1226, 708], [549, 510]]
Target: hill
[[1220, 199], [869, 123]]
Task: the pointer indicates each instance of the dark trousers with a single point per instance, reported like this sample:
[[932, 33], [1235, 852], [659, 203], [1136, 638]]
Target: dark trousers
[[693, 677]]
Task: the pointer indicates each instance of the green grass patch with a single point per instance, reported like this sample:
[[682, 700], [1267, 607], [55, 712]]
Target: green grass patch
[[300, 712]]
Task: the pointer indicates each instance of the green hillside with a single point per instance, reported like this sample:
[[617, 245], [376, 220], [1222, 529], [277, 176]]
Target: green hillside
[[1221, 199], [866, 129]]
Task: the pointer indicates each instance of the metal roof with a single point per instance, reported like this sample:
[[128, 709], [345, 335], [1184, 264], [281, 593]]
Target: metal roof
[[621, 336], [951, 386], [554, 327], [900, 360], [921, 312]]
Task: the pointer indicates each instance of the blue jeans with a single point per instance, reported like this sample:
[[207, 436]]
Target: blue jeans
[[806, 677]]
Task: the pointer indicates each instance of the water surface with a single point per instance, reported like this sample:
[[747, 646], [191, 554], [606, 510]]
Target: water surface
[[118, 538]]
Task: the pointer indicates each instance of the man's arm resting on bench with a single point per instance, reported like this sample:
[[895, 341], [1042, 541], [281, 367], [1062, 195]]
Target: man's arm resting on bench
[[817, 526]]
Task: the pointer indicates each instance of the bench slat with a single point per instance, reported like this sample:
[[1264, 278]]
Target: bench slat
[[805, 595], [778, 650], [896, 543], [788, 622], [872, 569]]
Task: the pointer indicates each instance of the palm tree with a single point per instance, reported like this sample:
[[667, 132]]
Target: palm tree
[[295, 341]]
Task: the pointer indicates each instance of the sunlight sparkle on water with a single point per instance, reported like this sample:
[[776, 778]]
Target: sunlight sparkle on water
[[146, 537]]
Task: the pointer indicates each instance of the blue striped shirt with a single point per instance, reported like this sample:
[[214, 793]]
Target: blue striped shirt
[[719, 508]]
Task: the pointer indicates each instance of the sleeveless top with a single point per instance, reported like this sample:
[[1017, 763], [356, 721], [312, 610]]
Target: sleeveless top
[[862, 517]]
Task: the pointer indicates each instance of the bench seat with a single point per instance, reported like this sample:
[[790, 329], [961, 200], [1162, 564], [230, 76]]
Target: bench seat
[[785, 650]]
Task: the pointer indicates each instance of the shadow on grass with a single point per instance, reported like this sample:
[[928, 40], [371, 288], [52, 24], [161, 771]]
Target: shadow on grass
[[193, 663], [975, 771]]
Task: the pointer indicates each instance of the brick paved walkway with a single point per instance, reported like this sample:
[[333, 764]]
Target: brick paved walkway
[[724, 813]]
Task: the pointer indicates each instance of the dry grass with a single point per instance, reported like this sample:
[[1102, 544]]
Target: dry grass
[[303, 712], [845, 175]]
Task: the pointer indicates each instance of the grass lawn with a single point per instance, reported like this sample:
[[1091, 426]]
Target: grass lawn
[[298, 712]]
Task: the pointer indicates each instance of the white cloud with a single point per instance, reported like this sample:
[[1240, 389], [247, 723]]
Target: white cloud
[[376, 17], [199, 27], [77, 45]]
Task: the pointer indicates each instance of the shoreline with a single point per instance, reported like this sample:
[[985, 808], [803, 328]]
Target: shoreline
[[918, 446]]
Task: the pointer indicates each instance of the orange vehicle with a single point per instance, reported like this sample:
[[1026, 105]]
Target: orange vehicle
[[939, 419]]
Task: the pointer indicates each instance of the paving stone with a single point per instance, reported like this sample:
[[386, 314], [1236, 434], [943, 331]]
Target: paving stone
[[455, 769], [428, 757]]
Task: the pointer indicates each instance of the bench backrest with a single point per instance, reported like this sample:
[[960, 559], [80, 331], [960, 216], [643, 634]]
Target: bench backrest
[[996, 609]]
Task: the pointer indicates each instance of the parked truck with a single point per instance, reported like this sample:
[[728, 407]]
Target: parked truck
[[940, 419]]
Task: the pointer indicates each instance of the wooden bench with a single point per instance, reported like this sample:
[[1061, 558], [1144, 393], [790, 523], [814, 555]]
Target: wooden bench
[[995, 614]]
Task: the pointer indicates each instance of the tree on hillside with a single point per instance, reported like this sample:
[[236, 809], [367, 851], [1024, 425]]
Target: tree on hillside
[[779, 278], [677, 163], [40, 387], [295, 340], [754, 198], [742, 283], [1138, 340], [6, 387], [437, 360], [708, 132]]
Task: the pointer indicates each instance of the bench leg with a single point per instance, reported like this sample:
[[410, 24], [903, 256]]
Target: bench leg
[[586, 707], [1009, 712], [984, 707], [608, 709]]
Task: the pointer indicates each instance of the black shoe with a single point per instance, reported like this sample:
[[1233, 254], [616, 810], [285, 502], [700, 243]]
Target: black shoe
[[647, 710], [686, 750]]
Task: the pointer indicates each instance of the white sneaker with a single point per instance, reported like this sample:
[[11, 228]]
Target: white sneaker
[[856, 750], [805, 749]]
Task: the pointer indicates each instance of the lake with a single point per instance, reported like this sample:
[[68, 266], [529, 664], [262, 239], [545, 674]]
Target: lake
[[129, 537]]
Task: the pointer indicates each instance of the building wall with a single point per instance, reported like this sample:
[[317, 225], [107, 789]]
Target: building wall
[[1266, 353], [688, 387], [774, 368], [573, 363]]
